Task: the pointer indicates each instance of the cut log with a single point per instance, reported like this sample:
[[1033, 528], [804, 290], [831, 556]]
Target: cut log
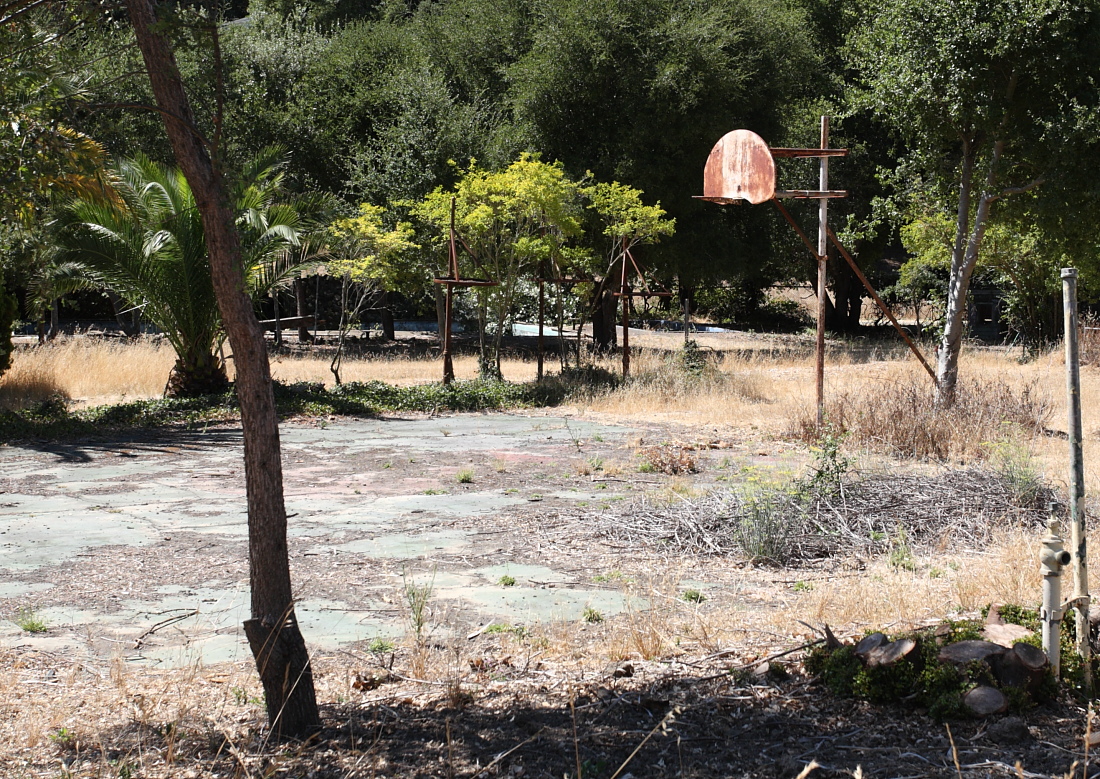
[[1022, 667], [983, 701], [869, 643], [888, 654], [1032, 656], [963, 652]]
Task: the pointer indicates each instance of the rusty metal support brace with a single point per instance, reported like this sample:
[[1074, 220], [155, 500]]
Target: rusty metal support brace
[[882, 305]]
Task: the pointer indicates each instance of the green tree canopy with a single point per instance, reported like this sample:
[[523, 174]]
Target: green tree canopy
[[992, 100]]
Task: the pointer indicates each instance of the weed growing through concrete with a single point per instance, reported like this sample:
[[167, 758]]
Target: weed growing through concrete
[[901, 553], [465, 476], [417, 596], [380, 646], [591, 615], [501, 628], [507, 581], [612, 576], [28, 620]]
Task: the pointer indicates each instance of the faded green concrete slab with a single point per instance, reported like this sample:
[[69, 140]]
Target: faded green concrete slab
[[344, 503], [32, 541], [401, 545], [521, 573], [18, 589]]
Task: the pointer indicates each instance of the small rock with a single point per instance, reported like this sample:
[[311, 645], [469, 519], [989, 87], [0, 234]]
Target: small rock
[[1004, 634], [1009, 731], [983, 701]]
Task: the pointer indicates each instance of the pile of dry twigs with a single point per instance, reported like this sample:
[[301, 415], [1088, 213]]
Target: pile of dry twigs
[[865, 514]]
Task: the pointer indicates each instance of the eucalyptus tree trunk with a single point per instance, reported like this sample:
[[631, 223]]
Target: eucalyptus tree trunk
[[272, 631]]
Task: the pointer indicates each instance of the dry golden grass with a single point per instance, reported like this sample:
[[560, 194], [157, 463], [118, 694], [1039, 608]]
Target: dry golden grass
[[393, 370], [87, 371]]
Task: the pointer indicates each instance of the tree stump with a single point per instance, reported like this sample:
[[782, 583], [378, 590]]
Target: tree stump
[[868, 644], [1023, 667], [963, 652], [888, 654]]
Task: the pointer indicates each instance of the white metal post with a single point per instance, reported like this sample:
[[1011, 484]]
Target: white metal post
[[1078, 541], [822, 248]]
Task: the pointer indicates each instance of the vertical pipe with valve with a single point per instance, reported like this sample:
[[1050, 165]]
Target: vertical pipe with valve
[[822, 249]]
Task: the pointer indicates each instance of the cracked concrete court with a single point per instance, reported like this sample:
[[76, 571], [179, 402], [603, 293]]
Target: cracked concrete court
[[135, 547]]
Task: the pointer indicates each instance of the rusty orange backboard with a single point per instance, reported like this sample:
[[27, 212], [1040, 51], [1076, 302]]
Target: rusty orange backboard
[[740, 167]]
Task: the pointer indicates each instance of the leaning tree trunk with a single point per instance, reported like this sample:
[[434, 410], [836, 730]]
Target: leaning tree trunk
[[964, 256], [272, 631]]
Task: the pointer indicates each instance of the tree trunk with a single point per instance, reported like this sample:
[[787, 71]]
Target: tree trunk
[[964, 256], [272, 631], [388, 332], [604, 317], [196, 375], [843, 315], [304, 336], [440, 309]]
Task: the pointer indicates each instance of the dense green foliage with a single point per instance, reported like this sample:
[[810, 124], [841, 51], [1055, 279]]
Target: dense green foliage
[[388, 101], [919, 678]]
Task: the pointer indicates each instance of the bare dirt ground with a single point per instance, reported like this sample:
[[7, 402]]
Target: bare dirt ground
[[589, 663]]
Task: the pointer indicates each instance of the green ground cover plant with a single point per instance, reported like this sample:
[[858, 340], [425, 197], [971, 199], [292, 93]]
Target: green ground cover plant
[[52, 419]]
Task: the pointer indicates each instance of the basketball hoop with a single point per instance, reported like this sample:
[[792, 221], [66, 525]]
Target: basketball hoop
[[740, 167]]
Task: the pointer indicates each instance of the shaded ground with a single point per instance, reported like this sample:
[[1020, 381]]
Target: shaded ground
[[544, 722]]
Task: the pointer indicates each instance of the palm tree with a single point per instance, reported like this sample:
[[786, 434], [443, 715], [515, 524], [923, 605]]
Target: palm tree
[[142, 236]]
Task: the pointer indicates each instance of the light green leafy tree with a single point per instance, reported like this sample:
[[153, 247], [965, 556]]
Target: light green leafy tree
[[513, 220], [627, 222], [366, 256]]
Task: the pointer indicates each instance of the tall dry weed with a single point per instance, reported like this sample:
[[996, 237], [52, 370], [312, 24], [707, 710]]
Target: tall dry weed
[[901, 417]]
